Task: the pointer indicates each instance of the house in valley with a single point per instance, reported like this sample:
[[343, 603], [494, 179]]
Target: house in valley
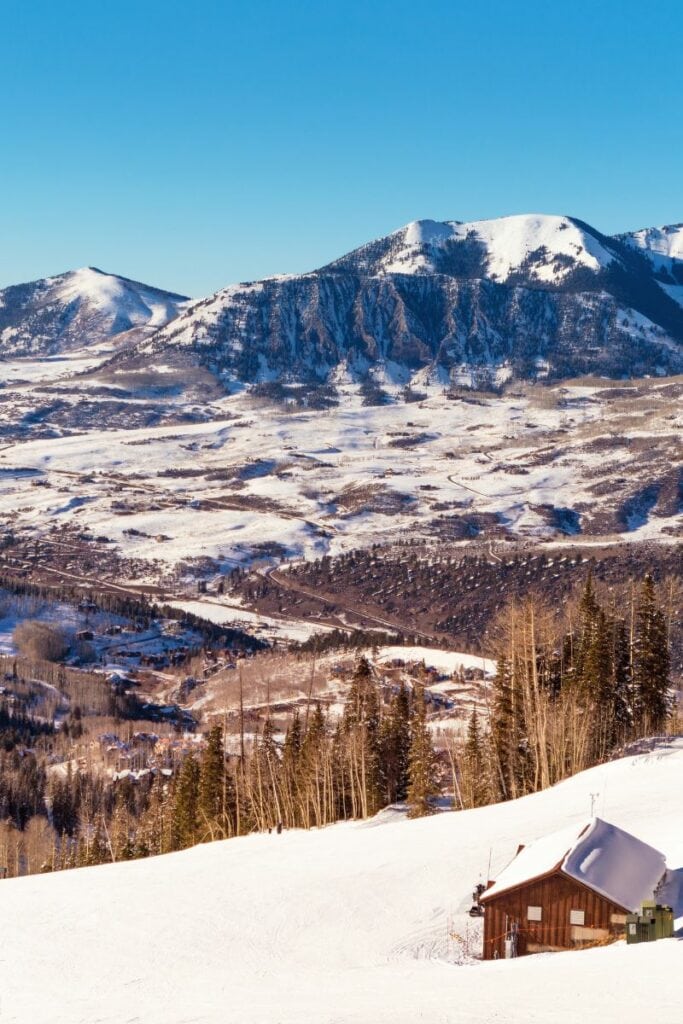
[[569, 889]]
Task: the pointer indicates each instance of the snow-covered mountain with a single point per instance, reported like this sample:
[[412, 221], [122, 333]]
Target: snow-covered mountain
[[666, 241], [358, 923], [521, 296], [79, 308], [532, 247], [516, 297]]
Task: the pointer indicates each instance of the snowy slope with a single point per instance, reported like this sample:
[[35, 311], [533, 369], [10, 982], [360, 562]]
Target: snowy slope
[[360, 922], [663, 249], [546, 248], [79, 308], [666, 241]]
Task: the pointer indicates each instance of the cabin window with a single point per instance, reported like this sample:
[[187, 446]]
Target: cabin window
[[577, 917], [534, 913]]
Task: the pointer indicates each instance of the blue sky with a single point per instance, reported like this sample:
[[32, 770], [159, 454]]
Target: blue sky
[[194, 144]]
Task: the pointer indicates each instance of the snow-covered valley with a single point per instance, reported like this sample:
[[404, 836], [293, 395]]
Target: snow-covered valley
[[464, 383], [584, 460]]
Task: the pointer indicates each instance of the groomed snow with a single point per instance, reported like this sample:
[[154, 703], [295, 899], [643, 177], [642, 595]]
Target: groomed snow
[[359, 923]]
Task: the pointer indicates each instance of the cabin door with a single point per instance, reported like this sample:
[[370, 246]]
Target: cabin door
[[515, 940]]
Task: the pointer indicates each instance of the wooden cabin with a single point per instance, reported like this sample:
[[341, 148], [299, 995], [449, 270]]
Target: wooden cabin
[[570, 889]]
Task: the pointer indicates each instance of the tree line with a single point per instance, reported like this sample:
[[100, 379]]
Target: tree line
[[568, 693], [562, 702], [378, 752]]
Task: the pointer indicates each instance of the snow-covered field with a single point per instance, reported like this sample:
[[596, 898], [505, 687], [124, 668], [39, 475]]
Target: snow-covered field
[[541, 464], [434, 657], [358, 922], [263, 626]]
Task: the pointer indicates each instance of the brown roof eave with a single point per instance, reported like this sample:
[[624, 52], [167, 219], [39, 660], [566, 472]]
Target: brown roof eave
[[529, 881], [557, 870]]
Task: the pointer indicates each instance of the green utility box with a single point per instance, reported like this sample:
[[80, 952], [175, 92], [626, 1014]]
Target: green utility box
[[655, 921]]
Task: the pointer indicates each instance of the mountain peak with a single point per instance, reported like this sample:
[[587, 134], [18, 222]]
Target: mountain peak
[[77, 308], [541, 247], [663, 241]]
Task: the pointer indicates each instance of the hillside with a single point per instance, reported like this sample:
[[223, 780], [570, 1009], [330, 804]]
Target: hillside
[[353, 923], [77, 309]]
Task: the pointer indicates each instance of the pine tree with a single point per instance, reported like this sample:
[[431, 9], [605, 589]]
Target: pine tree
[[313, 781], [474, 784], [622, 695], [360, 724], [584, 667], [121, 832], [505, 732], [599, 687], [186, 804], [215, 798], [422, 783], [394, 744], [291, 765], [148, 835], [651, 664]]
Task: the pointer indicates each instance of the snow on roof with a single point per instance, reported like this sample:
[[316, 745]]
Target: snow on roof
[[435, 657], [599, 855]]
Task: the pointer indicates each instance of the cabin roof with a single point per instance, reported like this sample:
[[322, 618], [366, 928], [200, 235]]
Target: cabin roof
[[594, 853]]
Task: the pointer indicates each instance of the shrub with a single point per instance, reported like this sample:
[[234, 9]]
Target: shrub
[[40, 640]]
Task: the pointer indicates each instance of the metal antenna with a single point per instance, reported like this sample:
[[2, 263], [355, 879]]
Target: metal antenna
[[594, 797]]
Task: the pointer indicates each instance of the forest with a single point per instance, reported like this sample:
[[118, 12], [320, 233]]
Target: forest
[[571, 689]]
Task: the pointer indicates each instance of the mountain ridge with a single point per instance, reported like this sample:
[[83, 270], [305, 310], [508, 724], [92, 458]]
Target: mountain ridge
[[522, 297]]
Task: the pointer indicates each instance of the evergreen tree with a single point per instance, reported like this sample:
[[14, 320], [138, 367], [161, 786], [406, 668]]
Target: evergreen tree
[[153, 834], [121, 832], [216, 796], [360, 723], [584, 666], [506, 716], [313, 780], [474, 785], [599, 687], [422, 783], [291, 766], [394, 743], [622, 695], [651, 664], [186, 804]]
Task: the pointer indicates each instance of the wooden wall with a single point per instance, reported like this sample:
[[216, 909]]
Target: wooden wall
[[557, 895]]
